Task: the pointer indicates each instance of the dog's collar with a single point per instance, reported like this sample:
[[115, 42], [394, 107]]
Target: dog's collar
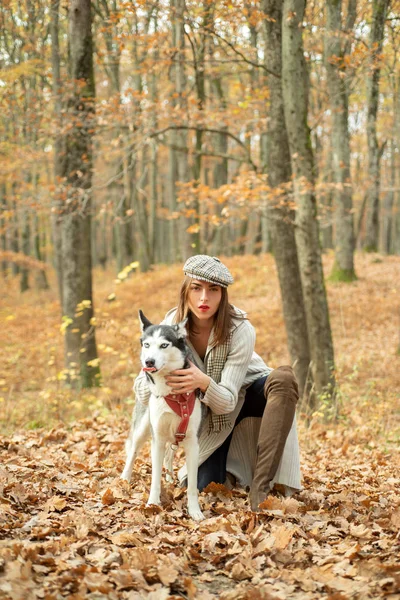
[[182, 405]]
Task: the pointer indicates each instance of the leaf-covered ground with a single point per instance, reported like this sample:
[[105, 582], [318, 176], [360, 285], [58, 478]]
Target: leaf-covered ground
[[69, 528]]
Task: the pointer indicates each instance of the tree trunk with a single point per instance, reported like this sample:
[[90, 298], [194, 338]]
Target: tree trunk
[[3, 236], [391, 216], [252, 232], [396, 182], [220, 171], [58, 149], [295, 99], [77, 303], [41, 282], [15, 241], [40, 275], [280, 217], [325, 201], [388, 216], [266, 241], [153, 163], [172, 253], [109, 13], [102, 238], [141, 221], [25, 247], [254, 228], [379, 11], [123, 222], [396, 225], [199, 67], [343, 269], [178, 167], [123, 201]]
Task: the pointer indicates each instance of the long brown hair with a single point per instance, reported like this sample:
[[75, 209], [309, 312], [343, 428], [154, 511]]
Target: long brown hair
[[222, 318]]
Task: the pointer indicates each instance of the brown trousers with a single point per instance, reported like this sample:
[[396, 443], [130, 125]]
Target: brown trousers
[[282, 393]]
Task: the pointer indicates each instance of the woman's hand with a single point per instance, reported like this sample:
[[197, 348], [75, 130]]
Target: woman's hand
[[188, 380]]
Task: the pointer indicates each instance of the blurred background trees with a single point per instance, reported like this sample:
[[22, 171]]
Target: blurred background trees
[[182, 111]]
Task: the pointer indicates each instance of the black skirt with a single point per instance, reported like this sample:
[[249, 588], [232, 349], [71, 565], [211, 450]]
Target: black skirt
[[214, 468]]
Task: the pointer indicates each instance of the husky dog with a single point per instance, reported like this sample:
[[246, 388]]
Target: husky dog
[[164, 349]]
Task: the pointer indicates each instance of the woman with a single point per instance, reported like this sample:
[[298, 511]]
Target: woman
[[250, 433]]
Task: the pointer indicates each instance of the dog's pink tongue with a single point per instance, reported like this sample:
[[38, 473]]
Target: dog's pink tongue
[[149, 369]]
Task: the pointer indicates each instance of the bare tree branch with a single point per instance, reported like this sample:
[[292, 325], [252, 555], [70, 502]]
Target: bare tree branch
[[242, 56], [207, 130]]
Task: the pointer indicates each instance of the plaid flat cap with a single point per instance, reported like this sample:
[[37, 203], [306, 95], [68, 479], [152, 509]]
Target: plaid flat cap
[[208, 268]]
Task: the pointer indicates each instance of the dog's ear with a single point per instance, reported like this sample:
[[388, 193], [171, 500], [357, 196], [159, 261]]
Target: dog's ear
[[180, 329], [144, 322]]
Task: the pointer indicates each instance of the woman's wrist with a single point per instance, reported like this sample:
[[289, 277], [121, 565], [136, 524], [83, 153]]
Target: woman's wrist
[[205, 383]]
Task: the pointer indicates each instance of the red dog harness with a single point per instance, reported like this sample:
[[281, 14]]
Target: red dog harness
[[182, 405]]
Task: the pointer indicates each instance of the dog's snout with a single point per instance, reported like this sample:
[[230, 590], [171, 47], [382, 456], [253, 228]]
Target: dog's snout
[[150, 362]]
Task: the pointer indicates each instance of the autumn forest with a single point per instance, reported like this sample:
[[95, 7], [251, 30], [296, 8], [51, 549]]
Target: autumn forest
[[133, 135]]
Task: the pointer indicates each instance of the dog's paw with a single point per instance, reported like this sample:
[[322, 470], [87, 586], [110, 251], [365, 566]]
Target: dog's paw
[[196, 514], [126, 476], [153, 502]]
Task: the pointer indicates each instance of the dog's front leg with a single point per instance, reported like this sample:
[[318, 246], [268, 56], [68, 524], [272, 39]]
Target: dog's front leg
[[192, 460], [168, 462], [134, 443], [157, 455]]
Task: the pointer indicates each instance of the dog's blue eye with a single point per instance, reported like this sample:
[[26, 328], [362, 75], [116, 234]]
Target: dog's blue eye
[[146, 345], [164, 345]]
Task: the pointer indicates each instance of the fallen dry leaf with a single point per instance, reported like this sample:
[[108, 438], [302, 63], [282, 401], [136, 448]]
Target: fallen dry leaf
[[108, 497], [282, 535]]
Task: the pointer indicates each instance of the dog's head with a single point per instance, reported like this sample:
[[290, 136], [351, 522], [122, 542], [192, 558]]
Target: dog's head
[[163, 346]]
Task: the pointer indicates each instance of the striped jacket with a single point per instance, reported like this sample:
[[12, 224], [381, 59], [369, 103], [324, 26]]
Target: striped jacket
[[242, 367]]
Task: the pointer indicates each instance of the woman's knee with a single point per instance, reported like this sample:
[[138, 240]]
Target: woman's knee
[[282, 380]]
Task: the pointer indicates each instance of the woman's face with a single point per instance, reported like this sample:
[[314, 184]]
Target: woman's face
[[204, 299]]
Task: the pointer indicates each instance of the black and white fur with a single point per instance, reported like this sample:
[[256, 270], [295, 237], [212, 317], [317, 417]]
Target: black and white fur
[[164, 349]]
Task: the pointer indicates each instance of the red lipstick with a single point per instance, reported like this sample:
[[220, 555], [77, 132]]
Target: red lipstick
[[204, 307]]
